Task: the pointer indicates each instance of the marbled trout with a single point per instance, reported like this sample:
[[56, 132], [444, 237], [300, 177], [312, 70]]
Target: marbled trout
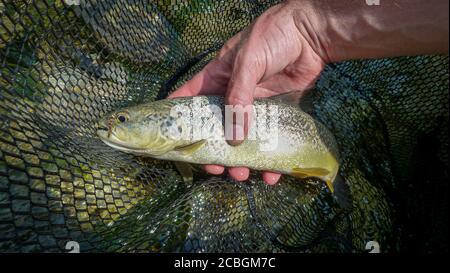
[[191, 130]]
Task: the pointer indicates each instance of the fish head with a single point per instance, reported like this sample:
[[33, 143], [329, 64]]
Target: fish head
[[147, 129]]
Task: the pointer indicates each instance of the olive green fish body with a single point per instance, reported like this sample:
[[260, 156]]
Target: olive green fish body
[[282, 138]]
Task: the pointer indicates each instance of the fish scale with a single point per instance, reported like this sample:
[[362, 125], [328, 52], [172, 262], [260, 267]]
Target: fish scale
[[300, 145]]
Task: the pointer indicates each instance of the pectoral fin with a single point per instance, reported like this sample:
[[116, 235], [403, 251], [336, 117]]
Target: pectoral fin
[[185, 170], [191, 148], [313, 172]]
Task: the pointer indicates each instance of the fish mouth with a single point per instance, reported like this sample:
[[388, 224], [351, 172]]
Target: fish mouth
[[106, 136]]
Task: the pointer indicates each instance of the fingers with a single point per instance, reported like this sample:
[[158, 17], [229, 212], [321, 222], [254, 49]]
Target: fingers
[[242, 174], [213, 78], [239, 173], [232, 73], [240, 93], [214, 169], [271, 178]]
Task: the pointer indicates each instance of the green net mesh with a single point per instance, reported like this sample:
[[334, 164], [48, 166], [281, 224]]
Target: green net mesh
[[65, 64]]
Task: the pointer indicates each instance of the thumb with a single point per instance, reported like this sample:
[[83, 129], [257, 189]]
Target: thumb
[[239, 97]]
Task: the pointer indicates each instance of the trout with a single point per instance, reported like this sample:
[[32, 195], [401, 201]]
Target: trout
[[282, 138]]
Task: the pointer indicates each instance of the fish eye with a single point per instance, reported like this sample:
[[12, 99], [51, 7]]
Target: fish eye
[[122, 117]]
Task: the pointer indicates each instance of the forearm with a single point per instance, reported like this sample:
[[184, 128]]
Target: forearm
[[351, 29]]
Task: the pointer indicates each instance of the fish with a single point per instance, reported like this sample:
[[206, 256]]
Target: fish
[[282, 138]]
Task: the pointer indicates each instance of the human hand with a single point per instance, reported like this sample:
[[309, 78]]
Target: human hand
[[270, 57], [287, 47]]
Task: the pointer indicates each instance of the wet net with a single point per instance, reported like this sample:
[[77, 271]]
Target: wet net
[[65, 64]]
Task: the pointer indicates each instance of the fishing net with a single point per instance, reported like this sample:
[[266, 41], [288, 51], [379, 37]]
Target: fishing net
[[66, 64]]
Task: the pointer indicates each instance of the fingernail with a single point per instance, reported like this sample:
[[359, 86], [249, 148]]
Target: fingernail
[[271, 178], [239, 174], [234, 142], [213, 169]]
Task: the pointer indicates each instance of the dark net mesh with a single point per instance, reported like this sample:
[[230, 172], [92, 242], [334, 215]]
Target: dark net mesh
[[65, 64]]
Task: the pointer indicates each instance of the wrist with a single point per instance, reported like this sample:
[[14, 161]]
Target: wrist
[[310, 20]]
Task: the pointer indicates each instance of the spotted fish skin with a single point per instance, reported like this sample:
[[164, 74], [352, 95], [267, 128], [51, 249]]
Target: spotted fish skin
[[294, 143]]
